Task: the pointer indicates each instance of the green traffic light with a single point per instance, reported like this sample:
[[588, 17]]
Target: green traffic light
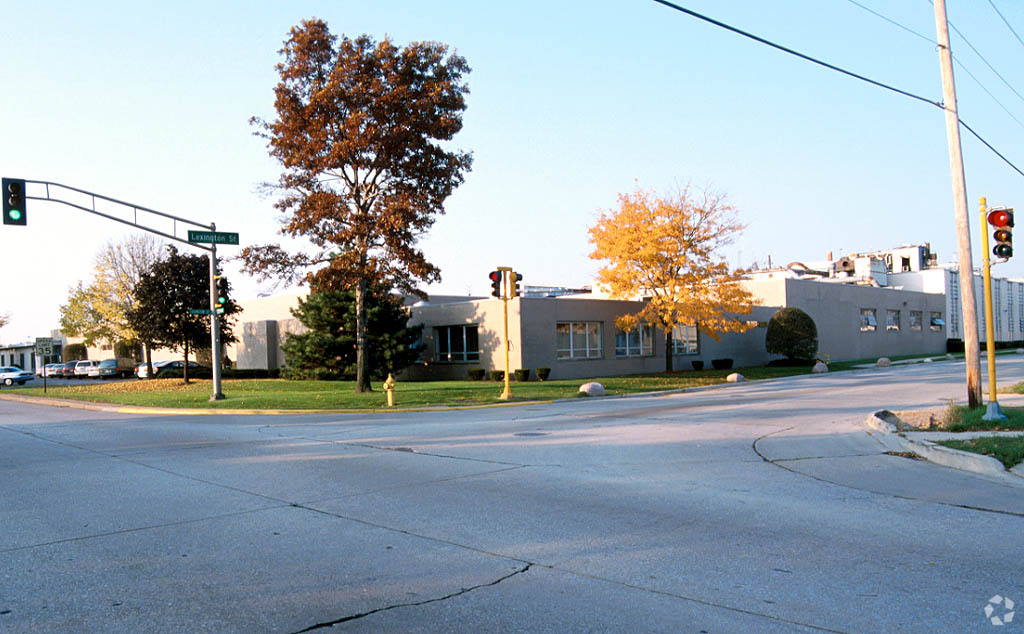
[[14, 214]]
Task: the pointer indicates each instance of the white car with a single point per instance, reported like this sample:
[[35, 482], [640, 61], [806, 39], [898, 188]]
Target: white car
[[142, 371], [52, 369], [82, 368], [9, 375]]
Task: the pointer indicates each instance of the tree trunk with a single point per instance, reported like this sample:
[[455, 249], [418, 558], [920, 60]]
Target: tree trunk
[[668, 351], [362, 377], [184, 368], [149, 360]]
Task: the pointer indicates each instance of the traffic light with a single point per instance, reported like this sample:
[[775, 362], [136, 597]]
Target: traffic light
[[222, 292], [1002, 221], [14, 202], [495, 277], [513, 283]]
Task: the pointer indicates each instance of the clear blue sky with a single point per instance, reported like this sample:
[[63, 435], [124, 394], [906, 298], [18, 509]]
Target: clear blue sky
[[571, 103]]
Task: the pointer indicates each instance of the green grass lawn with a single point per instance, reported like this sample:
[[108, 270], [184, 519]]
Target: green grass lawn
[[285, 394], [1009, 451]]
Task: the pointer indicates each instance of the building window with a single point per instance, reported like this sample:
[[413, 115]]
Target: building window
[[916, 318], [457, 343], [578, 339], [684, 339], [638, 342], [936, 322], [868, 322], [892, 320]]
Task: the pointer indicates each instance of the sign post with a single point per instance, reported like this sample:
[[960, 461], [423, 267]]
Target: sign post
[[44, 348]]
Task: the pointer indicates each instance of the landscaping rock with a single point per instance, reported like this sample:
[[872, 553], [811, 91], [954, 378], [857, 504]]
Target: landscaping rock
[[1020, 350], [735, 377], [884, 362], [819, 368], [592, 389], [927, 360], [949, 356]]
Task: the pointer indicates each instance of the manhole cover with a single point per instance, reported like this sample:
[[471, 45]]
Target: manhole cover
[[531, 433]]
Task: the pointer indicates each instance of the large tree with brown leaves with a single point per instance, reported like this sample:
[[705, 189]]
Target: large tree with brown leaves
[[359, 132]]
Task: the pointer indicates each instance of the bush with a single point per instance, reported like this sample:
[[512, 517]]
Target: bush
[[697, 364], [497, 375], [721, 364], [522, 374], [75, 351], [254, 373], [476, 374], [791, 332], [543, 374]]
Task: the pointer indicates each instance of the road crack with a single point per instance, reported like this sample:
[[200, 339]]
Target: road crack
[[453, 595]]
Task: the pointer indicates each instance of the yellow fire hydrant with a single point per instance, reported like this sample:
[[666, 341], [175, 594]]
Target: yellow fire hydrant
[[389, 388]]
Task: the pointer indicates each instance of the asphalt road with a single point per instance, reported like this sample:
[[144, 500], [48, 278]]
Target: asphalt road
[[761, 507]]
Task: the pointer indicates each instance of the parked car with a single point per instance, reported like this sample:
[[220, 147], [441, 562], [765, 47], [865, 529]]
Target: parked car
[[142, 371], [68, 370], [119, 367], [51, 370], [9, 375], [82, 368], [193, 368]]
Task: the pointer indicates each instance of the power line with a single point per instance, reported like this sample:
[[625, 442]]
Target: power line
[[955, 58], [1000, 14], [835, 68], [784, 49], [982, 58], [894, 23]]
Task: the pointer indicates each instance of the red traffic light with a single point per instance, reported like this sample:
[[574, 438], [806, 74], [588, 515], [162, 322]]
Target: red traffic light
[[1000, 218], [495, 277]]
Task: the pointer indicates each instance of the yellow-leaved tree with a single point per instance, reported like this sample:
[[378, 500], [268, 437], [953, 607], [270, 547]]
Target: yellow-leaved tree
[[666, 249]]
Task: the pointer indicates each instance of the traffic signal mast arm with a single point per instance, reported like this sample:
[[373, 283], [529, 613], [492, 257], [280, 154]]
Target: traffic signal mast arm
[[53, 193]]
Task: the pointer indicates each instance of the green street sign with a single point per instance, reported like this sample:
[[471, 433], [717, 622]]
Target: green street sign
[[213, 237], [199, 311]]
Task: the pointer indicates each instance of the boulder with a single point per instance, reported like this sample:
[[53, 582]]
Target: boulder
[[592, 389], [819, 368], [949, 356], [927, 360], [884, 362], [735, 377]]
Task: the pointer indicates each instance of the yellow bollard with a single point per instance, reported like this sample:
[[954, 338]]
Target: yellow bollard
[[389, 388]]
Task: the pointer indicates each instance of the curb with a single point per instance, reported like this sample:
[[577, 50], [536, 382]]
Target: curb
[[887, 434]]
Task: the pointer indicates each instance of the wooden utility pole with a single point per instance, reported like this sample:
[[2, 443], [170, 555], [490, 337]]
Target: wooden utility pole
[[963, 229]]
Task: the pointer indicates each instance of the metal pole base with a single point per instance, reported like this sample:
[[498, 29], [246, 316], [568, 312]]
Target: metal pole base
[[217, 397], [993, 412]]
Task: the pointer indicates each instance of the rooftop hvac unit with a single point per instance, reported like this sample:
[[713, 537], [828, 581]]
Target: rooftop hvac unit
[[845, 265]]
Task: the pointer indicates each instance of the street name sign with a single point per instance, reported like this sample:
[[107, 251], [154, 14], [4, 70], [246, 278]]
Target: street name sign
[[213, 237], [199, 311]]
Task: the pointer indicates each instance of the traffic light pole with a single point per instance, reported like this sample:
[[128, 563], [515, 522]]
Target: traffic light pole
[[992, 412], [136, 209], [215, 356], [507, 392]]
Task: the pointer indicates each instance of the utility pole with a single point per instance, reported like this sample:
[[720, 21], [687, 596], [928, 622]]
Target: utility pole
[[963, 229]]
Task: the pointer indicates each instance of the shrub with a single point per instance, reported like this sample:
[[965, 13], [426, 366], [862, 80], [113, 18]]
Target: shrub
[[543, 374], [697, 364], [75, 351], [476, 374], [522, 374], [790, 363], [253, 373], [721, 364], [792, 333], [497, 375]]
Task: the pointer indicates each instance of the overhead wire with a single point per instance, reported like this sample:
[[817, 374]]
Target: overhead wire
[[955, 58], [1003, 18], [833, 67]]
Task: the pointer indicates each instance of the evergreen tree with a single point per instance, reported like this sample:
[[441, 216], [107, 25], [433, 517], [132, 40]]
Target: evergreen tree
[[328, 349]]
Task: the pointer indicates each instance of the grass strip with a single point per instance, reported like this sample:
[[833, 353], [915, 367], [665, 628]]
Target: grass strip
[[1009, 451], [285, 394]]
